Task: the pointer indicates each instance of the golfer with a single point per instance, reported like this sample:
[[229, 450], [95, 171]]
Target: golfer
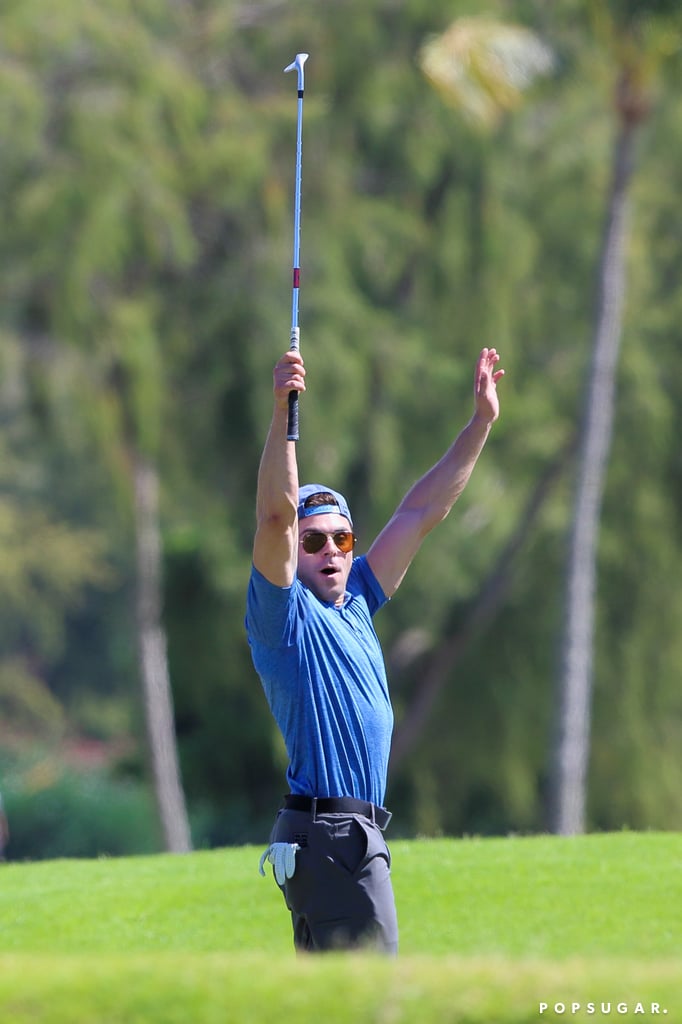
[[309, 622]]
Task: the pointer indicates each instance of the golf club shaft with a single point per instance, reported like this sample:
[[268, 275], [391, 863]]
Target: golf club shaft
[[294, 341]]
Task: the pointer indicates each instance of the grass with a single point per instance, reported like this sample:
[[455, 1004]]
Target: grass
[[490, 929]]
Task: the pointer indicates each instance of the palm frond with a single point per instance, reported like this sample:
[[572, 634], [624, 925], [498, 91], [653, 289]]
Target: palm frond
[[482, 67]]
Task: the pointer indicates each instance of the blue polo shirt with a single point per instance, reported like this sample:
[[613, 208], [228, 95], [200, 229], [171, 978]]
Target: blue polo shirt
[[323, 673]]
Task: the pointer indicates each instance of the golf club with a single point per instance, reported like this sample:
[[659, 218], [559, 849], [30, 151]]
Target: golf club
[[296, 65]]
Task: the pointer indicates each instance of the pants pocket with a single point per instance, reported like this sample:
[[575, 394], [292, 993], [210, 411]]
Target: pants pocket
[[347, 845]]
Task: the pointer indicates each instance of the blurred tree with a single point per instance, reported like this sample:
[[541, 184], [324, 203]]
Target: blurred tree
[[49, 565], [146, 167], [482, 68], [636, 47], [103, 87]]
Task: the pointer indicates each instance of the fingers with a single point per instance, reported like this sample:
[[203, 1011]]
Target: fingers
[[288, 375], [489, 357], [487, 404], [485, 371], [282, 856], [290, 859]]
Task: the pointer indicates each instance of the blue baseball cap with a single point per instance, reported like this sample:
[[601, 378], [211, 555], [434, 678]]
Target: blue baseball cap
[[340, 504]]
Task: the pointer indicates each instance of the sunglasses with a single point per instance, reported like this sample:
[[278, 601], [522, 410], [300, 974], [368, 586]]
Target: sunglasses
[[315, 540]]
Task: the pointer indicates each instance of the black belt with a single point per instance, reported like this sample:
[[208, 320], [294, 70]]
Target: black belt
[[338, 805]]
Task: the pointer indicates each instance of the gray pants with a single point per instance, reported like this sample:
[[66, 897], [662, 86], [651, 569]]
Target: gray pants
[[340, 895]]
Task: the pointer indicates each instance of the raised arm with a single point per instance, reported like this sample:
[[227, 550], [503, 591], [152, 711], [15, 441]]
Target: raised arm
[[275, 543], [428, 502]]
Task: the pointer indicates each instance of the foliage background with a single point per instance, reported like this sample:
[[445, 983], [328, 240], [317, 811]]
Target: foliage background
[[146, 181]]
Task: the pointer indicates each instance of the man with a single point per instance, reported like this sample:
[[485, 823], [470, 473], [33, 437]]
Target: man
[[309, 622]]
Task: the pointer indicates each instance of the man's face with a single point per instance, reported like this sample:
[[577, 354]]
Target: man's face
[[326, 571]]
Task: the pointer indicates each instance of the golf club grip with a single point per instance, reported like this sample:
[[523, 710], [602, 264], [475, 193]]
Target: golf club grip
[[292, 422]]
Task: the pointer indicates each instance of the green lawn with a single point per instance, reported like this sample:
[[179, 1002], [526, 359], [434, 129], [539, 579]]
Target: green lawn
[[490, 930]]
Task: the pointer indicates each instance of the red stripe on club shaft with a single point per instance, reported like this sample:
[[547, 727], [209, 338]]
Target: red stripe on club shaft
[[297, 276]]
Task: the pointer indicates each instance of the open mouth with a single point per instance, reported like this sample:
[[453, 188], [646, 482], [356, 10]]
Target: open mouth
[[332, 569]]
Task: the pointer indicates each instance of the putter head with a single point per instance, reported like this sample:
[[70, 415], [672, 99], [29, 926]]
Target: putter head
[[297, 65]]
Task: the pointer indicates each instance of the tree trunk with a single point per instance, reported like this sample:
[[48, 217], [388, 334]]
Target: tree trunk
[[158, 699], [570, 754]]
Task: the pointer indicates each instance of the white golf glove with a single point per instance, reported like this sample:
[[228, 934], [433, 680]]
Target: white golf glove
[[282, 856]]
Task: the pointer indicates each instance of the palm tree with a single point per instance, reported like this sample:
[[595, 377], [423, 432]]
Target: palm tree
[[482, 67], [635, 57]]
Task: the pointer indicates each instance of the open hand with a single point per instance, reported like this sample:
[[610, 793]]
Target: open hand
[[485, 385]]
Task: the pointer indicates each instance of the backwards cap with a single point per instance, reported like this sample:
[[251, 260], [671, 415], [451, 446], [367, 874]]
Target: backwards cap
[[340, 504]]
